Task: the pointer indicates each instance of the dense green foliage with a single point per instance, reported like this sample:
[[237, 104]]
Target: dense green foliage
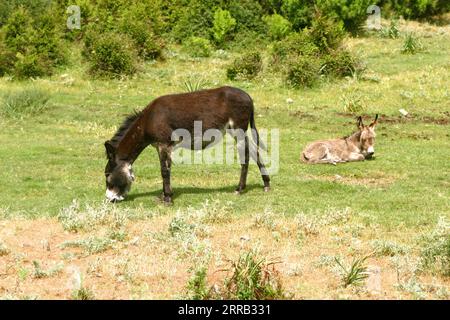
[[35, 39], [246, 66]]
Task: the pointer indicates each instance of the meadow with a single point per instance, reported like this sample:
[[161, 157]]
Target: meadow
[[59, 239]]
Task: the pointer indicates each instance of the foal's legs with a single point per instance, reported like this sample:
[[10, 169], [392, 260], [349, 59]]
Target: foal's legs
[[164, 152]]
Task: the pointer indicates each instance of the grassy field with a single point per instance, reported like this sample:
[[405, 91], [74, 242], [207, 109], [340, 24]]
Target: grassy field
[[392, 208]]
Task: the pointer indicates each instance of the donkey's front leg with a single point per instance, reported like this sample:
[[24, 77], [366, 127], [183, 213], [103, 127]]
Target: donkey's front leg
[[165, 160]]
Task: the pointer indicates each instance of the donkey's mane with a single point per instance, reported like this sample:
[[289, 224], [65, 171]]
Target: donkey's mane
[[124, 127]]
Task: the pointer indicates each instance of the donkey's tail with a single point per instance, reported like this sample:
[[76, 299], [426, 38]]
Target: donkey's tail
[[255, 134]]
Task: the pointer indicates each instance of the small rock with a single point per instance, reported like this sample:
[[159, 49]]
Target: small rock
[[289, 101], [403, 112], [338, 177]]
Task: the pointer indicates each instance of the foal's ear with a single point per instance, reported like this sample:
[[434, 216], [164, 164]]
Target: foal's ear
[[374, 122], [110, 150], [360, 123]]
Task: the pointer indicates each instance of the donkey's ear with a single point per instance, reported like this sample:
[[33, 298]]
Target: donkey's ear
[[375, 122], [110, 150], [360, 123]]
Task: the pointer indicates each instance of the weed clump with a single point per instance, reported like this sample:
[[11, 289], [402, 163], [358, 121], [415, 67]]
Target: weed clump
[[435, 253], [411, 44], [24, 102], [355, 273], [252, 278]]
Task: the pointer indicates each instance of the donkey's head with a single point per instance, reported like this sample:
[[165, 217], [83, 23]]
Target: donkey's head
[[367, 137], [119, 175]]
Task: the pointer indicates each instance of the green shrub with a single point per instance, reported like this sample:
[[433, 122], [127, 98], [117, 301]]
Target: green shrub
[[31, 47], [326, 33], [351, 13], [248, 15], [224, 23], [246, 66], [141, 27], [198, 287], [191, 18], [197, 47], [293, 45], [302, 71], [299, 12], [413, 9], [278, 26], [24, 102], [341, 63], [112, 56]]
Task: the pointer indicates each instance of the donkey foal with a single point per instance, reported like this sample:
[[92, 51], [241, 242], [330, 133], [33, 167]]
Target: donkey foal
[[356, 147]]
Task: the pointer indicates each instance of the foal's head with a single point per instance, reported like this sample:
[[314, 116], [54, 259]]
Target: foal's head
[[367, 137], [119, 175]]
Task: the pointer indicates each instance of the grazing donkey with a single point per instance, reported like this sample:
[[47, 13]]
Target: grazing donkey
[[224, 108], [357, 147]]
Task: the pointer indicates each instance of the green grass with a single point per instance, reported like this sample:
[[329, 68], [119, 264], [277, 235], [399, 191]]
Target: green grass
[[57, 155]]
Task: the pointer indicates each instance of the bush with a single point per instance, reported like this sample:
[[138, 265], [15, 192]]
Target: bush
[[224, 23], [351, 13], [326, 33], [28, 101], [197, 47], [112, 56], [413, 9], [248, 15], [191, 18], [31, 47], [341, 63], [299, 12], [136, 22], [302, 71], [246, 66], [293, 45], [31, 65], [278, 26]]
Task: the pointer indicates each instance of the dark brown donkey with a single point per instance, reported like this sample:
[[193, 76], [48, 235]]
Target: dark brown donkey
[[224, 108]]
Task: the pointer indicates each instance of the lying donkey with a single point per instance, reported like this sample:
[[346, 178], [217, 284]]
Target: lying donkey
[[357, 147]]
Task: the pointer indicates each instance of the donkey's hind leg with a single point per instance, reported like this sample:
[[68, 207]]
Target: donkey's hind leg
[[244, 157], [254, 153], [164, 152]]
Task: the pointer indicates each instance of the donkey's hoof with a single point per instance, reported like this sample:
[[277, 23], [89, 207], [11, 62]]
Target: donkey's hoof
[[168, 201], [266, 189]]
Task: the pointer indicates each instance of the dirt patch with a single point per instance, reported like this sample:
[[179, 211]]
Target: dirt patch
[[445, 120], [149, 264]]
